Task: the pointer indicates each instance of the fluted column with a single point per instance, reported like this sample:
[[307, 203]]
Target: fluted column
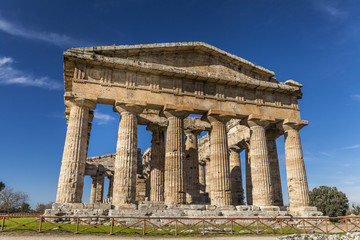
[[202, 181], [191, 180], [124, 190], [271, 136], [219, 157], [248, 177], [71, 178], [157, 165], [99, 189], [93, 190], [237, 191], [208, 181], [295, 166], [174, 192], [260, 167]]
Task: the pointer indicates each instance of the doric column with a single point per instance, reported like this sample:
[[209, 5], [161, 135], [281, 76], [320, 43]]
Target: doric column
[[271, 136], [202, 181], [124, 190], [248, 177], [191, 180], [237, 191], [260, 167], [208, 180], [295, 166], [174, 191], [93, 190], [219, 157], [99, 189], [157, 163], [71, 178], [110, 188]]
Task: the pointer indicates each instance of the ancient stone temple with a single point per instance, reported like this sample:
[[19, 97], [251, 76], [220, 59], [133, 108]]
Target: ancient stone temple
[[179, 91]]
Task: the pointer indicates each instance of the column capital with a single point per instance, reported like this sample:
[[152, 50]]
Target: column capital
[[254, 120], [194, 132], [170, 110], [274, 133], [293, 124], [128, 107], [219, 116], [80, 102], [155, 128]]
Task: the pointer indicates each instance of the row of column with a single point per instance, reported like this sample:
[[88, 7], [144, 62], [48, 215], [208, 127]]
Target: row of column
[[168, 175]]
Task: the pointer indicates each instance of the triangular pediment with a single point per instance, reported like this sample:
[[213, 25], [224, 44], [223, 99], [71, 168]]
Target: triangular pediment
[[196, 56]]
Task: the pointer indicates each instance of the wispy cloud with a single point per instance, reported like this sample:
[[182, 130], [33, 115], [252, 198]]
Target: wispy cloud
[[331, 8], [356, 146], [11, 76], [101, 118], [356, 97], [20, 31]]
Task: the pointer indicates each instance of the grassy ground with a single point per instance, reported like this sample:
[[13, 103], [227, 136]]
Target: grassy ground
[[34, 225]]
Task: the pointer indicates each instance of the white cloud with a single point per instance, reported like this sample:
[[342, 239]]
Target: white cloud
[[355, 96], [20, 31], [356, 146], [12, 76], [331, 8], [101, 118]]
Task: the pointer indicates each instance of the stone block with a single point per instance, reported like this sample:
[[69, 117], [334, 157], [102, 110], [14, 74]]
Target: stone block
[[243, 208], [269, 208]]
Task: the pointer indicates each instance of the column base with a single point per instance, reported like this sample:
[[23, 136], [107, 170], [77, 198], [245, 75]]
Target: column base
[[307, 211]]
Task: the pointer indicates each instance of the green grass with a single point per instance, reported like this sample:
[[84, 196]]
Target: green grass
[[10, 226]]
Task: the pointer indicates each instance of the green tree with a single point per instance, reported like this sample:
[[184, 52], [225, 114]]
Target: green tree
[[354, 209], [25, 207], [330, 201], [2, 186]]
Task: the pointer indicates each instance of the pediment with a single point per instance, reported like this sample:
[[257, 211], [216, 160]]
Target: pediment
[[196, 56]]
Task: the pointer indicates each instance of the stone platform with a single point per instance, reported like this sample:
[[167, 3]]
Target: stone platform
[[158, 210]]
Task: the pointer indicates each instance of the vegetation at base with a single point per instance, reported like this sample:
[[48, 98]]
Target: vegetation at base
[[330, 201], [354, 209], [2, 186], [138, 230]]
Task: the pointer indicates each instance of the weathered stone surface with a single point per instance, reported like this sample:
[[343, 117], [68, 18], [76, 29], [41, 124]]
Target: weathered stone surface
[[219, 168], [174, 192], [271, 136], [71, 179], [260, 169], [157, 164], [159, 85], [295, 166], [237, 191], [191, 174], [126, 159]]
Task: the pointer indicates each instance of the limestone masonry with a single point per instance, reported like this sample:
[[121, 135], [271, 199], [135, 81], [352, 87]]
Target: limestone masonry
[[242, 106]]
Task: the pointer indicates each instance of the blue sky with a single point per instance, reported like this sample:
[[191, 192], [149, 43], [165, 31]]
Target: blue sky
[[315, 42]]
